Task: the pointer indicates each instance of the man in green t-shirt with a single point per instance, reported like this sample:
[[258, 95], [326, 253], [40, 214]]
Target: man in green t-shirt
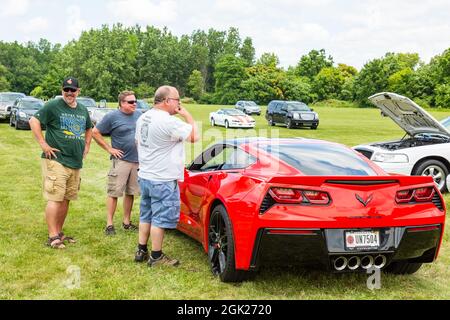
[[66, 143]]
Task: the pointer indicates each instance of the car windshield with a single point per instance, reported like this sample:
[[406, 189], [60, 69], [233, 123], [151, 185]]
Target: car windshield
[[321, 159], [10, 97], [446, 123], [250, 104], [232, 112], [32, 105], [87, 102], [141, 104], [297, 106]]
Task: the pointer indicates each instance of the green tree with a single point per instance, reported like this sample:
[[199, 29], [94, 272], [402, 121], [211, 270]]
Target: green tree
[[4, 84], [230, 72], [195, 85], [247, 52], [311, 63]]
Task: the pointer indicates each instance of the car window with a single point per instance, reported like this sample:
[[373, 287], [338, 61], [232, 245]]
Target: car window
[[10, 97], [296, 106], [87, 102], [228, 158], [234, 112], [321, 159], [33, 105], [446, 123]]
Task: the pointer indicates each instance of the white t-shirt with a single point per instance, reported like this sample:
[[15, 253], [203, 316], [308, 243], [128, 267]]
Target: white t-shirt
[[160, 139]]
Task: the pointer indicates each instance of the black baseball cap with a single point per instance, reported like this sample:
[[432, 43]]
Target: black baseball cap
[[70, 82]]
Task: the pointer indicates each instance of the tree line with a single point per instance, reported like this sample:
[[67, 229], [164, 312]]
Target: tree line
[[213, 67]]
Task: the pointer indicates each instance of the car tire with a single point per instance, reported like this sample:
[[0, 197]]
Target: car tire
[[11, 124], [270, 121], [433, 168], [402, 267], [221, 247], [227, 125], [289, 124], [213, 123], [314, 127]]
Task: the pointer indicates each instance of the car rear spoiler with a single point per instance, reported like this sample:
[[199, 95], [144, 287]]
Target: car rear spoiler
[[317, 181]]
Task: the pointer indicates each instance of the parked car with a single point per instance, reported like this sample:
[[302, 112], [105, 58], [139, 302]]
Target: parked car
[[98, 114], [248, 107], [143, 106], [7, 100], [292, 114], [22, 110], [264, 202], [423, 151], [231, 118]]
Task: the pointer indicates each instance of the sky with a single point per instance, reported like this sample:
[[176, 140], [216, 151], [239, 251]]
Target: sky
[[351, 31]]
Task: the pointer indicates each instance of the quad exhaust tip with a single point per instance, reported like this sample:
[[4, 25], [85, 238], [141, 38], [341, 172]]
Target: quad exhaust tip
[[340, 263], [354, 262]]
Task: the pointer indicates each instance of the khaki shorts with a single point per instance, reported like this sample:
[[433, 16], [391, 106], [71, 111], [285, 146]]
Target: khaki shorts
[[123, 177], [59, 182]]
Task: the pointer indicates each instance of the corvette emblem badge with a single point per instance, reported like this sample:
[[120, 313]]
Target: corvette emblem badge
[[360, 199]]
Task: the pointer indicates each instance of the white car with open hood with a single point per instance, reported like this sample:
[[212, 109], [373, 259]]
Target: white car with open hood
[[231, 118], [424, 150]]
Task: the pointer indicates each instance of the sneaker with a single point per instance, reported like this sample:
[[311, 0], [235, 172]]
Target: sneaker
[[141, 256], [110, 231], [130, 227], [163, 260]]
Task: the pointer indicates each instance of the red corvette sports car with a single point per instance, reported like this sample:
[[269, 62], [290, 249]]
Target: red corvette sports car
[[254, 202]]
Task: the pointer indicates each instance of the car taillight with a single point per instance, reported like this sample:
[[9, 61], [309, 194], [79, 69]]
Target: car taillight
[[316, 197], [404, 196], [289, 195], [286, 195], [415, 195], [424, 194]]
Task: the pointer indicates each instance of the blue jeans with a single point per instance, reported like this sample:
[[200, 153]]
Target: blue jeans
[[160, 203]]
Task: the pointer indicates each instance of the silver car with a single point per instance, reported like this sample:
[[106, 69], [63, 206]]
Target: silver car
[[7, 100], [248, 107]]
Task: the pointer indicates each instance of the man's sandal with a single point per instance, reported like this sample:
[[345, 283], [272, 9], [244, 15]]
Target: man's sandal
[[66, 238], [55, 242]]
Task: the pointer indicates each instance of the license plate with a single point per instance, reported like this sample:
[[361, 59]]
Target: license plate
[[362, 239]]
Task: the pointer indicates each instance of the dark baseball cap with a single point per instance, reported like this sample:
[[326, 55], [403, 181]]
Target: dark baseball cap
[[70, 82]]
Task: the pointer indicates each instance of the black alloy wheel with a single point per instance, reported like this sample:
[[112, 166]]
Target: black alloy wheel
[[221, 247], [289, 124]]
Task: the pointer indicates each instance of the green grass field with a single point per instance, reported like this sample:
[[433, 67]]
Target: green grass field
[[30, 270]]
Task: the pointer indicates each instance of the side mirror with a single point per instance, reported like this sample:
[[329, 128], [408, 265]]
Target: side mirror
[[312, 109]]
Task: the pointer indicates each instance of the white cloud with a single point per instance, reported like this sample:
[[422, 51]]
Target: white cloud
[[35, 25], [74, 23], [147, 11], [14, 8]]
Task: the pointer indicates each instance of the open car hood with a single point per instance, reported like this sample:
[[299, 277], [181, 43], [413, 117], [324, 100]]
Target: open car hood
[[407, 114]]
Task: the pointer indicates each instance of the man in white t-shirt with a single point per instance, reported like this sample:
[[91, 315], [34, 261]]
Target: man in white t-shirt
[[160, 140]]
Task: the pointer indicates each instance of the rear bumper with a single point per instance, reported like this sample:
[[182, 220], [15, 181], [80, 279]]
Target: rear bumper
[[319, 247]]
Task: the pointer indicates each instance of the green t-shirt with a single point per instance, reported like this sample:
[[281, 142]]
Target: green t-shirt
[[66, 129]]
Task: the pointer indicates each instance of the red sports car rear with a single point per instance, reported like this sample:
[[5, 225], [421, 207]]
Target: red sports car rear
[[307, 202]]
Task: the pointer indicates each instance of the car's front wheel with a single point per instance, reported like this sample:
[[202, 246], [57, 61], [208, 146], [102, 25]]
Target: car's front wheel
[[213, 123], [402, 267], [435, 169], [289, 124], [11, 123], [221, 247], [227, 124], [270, 121]]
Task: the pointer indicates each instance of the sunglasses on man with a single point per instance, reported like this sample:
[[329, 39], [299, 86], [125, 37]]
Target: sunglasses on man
[[70, 90], [131, 101]]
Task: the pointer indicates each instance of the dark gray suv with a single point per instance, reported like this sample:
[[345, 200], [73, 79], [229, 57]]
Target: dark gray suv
[[292, 114]]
